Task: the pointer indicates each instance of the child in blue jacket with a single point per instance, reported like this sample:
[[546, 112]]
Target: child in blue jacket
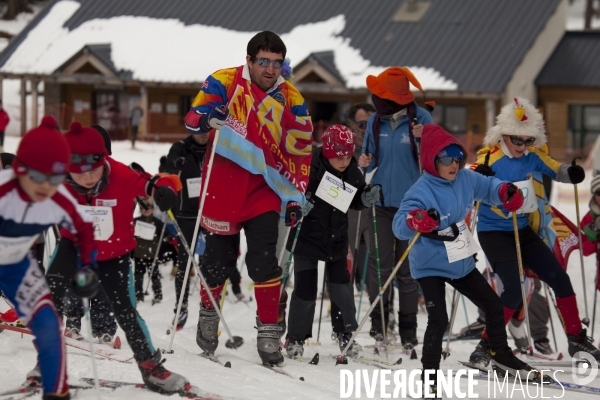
[[440, 201]]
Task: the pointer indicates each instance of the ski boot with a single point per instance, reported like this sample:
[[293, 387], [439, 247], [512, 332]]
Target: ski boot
[[159, 379], [474, 330], [54, 396], [207, 334], [73, 333], [543, 346], [268, 343], [33, 377], [582, 342], [105, 338], [519, 335], [433, 388], [507, 362], [481, 356], [183, 315], [407, 325], [294, 348], [354, 349]]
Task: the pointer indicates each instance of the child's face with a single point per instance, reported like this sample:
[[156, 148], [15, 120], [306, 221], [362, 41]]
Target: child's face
[[340, 163], [37, 192], [597, 197], [148, 212], [447, 172], [88, 179]]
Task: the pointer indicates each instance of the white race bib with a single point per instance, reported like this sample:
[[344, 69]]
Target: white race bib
[[14, 250], [463, 246], [530, 201], [331, 190], [102, 218], [193, 187], [144, 230]]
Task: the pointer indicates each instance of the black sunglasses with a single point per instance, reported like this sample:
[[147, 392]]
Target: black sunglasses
[[40, 177], [520, 142], [361, 124], [265, 62], [449, 160], [89, 159]]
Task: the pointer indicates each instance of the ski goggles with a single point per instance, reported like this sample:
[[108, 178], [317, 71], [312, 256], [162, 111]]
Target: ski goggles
[[361, 124], [520, 142], [449, 160], [88, 159], [40, 177], [265, 62]]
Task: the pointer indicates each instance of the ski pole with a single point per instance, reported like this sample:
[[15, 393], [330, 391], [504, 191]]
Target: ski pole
[[522, 278], [362, 283], [162, 234], [195, 236], [550, 316], [418, 144], [586, 320], [321, 312], [286, 271], [341, 359], [596, 288], [235, 341], [383, 329], [88, 323], [446, 351]]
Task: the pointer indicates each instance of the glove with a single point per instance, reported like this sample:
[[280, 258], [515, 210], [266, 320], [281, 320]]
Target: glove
[[423, 221], [308, 205], [165, 198], [293, 211], [85, 282], [576, 173], [511, 196], [484, 170], [216, 118], [180, 163], [370, 195]]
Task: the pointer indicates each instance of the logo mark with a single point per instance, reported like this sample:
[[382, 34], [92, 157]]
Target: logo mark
[[585, 368]]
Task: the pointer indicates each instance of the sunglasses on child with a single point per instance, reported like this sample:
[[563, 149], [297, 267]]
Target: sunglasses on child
[[265, 62], [520, 142], [449, 160], [40, 177], [89, 159]]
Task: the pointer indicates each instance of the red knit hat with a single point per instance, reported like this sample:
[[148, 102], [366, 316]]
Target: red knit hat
[[338, 141], [43, 149], [88, 143]]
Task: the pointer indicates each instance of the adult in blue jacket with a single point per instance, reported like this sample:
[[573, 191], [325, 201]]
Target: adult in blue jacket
[[437, 206], [390, 151]]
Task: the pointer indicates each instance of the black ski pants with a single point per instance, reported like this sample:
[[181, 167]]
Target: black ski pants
[[143, 265], [187, 226], [475, 288], [101, 315], [304, 296], [116, 280]]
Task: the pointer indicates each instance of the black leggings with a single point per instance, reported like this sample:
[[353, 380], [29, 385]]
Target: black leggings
[[475, 288], [117, 282]]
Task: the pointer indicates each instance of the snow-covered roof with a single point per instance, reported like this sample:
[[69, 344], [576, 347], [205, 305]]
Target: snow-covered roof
[[458, 45]]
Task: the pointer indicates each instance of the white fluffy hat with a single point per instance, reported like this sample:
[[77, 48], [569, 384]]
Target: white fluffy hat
[[518, 118]]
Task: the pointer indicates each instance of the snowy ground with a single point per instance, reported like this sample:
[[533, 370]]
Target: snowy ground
[[246, 379]]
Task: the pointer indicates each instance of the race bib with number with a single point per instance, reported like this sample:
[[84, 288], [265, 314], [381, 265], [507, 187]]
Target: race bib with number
[[463, 246], [193, 187], [14, 250], [102, 218], [530, 201], [144, 230], [335, 192]]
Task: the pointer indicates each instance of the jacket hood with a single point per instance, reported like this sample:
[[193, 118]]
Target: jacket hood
[[434, 139]]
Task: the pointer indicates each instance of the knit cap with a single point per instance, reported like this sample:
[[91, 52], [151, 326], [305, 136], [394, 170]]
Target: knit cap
[[338, 141], [43, 149], [87, 148]]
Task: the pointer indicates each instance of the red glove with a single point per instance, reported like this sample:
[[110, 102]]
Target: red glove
[[423, 221], [511, 196]]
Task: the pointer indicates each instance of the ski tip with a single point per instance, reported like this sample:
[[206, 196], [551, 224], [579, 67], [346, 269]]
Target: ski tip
[[413, 355], [227, 364], [399, 361], [117, 343], [315, 360], [302, 378]]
